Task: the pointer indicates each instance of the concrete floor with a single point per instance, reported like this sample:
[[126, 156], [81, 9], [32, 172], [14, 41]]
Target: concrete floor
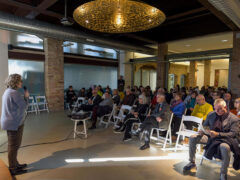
[[48, 161]]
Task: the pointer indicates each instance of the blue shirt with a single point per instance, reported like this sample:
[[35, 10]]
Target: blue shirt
[[13, 109]]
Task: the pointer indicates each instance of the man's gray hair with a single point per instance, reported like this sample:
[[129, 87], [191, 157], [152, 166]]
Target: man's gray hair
[[220, 101]]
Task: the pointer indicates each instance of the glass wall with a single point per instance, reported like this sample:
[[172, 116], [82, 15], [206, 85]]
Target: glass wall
[[145, 77], [32, 73], [80, 76]]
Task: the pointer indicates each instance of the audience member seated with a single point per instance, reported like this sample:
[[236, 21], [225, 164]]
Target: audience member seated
[[103, 108], [71, 96], [236, 110], [202, 108], [82, 93], [159, 118], [138, 112], [116, 97], [229, 102], [178, 108], [215, 95], [191, 103], [99, 91], [89, 93], [154, 99], [221, 135], [92, 102], [129, 98]]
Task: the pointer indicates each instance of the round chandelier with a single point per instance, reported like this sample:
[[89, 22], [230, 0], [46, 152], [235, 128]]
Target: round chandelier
[[118, 16]]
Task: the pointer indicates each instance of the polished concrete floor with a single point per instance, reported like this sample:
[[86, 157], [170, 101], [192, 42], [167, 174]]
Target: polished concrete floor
[[125, 161]]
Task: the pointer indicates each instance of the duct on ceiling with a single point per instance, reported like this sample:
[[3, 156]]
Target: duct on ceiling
[[39, 28], [231, 8]]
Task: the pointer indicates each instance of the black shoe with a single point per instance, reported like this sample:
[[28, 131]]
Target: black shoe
[[92, 127], [189, 166], [17, 171], [145, 146], [21, 166]]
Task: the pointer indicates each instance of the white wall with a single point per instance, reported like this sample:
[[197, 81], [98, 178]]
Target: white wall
[[222, 64], [3, 63]]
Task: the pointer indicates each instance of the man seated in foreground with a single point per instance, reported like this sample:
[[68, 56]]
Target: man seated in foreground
[[224, 130], [158, 119], [103, 108]]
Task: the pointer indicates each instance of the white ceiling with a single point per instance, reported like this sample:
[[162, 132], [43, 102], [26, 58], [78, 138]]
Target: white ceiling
[[203, 43]]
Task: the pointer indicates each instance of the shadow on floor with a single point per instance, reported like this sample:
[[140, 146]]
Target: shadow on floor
[[57, 159]]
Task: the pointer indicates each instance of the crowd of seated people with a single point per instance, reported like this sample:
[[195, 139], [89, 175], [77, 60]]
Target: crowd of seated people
[[220, 113]]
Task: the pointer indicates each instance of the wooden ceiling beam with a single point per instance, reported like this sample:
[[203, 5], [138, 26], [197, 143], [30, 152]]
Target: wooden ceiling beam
[[220, 15], [31, 8], [41, 7], [187, 13]]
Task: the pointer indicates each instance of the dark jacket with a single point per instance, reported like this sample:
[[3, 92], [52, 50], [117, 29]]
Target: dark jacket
[[141, 109], [128, 100], [70, 95], [96, 100], [212, 149], [162, 111], [230, 105], [116, 99]]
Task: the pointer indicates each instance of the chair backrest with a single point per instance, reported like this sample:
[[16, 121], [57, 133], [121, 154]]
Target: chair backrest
[[31, 100], [41, 99], [123, 108], [190, 119]]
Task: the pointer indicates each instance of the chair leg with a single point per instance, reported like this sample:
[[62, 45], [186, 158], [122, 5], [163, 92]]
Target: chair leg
[[75, 129], [176, 146], [166, 139], [85, 129], [170, 137]]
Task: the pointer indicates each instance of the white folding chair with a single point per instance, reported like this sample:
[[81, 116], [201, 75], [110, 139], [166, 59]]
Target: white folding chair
[[42, 103], [32, 106], [164, 140], [186, 132], [121, 115], [110, 115], [79, 101]]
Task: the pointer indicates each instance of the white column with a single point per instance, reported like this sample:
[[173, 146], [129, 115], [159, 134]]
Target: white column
[[3, 63], [126, 69]]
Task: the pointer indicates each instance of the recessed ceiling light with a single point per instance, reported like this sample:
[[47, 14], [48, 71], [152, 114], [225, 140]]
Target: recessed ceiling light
[[199, 49], [187, 45], [224, 40], [87, 21]]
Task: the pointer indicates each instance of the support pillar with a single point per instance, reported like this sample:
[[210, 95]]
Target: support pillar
[[193, 74], [235, 66], [126, 69], [3, 63], [162, 66], [54, 74], [207, 72]]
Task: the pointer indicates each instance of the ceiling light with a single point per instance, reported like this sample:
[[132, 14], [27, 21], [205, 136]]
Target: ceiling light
[[224, 40], [118, 16], [187, 45], [199, 49]]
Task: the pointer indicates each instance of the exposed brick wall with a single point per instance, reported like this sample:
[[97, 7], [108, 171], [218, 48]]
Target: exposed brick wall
[[161, 66], [207, 72], [192, 74], [54, 74], [235, 65]]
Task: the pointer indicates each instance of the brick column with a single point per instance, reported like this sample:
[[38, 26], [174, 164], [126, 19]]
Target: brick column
[[3, 62], [193, 74], [162, 66], [54, 74], [207, 72], [235, 66]]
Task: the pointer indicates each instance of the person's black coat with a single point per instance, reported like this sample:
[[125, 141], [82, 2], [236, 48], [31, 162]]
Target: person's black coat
[[116, 99]]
